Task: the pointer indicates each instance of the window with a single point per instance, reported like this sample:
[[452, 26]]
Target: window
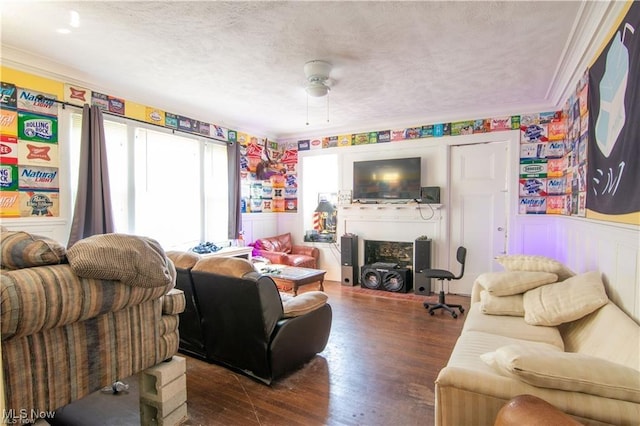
[[320, 178], [216, 202], [168, 187]]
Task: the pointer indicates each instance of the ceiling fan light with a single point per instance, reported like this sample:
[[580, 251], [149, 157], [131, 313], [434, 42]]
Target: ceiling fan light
[[317, 90]]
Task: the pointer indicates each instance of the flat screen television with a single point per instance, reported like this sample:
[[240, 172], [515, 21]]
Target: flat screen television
[[388, 179]]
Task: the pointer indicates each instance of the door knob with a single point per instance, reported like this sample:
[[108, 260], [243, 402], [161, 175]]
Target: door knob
[[500, 228]]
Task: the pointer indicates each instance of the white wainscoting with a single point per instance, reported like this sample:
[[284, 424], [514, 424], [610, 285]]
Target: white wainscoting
[[329, 259], [55, 228], [259, 225], [587, 245], [610, 249]]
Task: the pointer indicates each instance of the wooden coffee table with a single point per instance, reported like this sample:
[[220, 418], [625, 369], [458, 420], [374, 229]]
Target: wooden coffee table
[[293, 277]]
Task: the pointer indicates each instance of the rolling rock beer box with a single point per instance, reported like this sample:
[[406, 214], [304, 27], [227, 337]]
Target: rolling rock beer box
[[29, 162]]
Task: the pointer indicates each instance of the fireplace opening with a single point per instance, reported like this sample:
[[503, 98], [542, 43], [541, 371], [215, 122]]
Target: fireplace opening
[[399, 252]]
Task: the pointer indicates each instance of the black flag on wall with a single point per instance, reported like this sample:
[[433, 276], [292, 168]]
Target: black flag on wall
[[613, 176]]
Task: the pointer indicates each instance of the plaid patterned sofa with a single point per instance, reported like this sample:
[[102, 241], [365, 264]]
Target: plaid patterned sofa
[[76, 320]]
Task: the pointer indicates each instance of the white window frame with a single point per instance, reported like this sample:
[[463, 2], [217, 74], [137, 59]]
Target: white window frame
[[213, 193]]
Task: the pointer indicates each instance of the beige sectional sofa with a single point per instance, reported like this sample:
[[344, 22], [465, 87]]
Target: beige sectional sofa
[[585, 360]]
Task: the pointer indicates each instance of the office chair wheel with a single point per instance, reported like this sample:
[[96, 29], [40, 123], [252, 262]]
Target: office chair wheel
[[461, 311], [431, 313], [453, 314]]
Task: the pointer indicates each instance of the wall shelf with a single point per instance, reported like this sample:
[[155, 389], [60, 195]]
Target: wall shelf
[[383, 206], [390, 213]]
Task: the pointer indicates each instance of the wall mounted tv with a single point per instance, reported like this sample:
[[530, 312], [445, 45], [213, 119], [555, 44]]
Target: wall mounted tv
[[389, 179]]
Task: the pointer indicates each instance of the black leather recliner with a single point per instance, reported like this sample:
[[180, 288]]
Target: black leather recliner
[[242, 323], [189, 326]]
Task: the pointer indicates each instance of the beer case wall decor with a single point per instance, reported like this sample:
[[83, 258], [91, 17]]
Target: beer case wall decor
[[29, 158]]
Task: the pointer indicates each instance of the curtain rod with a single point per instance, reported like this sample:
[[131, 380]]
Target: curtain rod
[[65, 104]]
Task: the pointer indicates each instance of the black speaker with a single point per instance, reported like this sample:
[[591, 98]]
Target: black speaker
[[370, 277], [349, 259], [430, 194], [421, 261], [398, 280]]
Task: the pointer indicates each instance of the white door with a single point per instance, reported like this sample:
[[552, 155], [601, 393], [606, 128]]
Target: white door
[[478, 209]]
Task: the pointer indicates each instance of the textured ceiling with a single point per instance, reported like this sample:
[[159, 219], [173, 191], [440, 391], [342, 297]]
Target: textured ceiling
[[240, 64]]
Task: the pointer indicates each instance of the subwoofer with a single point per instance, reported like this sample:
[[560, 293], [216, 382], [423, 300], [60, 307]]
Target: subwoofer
[[370, 277], [398, 280], [349, 259], [421, 262]]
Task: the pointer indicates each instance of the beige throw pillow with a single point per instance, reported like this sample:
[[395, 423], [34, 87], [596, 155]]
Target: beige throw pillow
[[501, 305], [303, 303], [137, 261], [507, 283], [569, 371], [524, 262], [492, 360], [565, 301]]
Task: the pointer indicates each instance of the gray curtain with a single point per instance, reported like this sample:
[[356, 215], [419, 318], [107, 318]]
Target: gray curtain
[[92, 213], [235, 218]]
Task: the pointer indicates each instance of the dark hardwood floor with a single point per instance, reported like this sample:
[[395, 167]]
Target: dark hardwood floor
[[383, 355], [379, 366]]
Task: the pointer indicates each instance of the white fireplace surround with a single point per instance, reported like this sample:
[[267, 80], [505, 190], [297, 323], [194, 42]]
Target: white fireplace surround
[[390, 222]]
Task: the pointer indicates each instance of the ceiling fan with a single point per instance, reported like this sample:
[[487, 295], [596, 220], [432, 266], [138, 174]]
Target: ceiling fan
[[317, 73]]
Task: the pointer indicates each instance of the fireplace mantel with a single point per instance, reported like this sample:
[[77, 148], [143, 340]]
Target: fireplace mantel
[[391, 212], [392, 222], [390, 206]]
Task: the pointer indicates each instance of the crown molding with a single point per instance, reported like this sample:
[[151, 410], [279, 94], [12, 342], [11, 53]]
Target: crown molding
[[43, 67], [589, 31]]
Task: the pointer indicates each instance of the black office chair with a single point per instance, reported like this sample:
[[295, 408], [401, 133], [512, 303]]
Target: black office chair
[[441, 275]]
